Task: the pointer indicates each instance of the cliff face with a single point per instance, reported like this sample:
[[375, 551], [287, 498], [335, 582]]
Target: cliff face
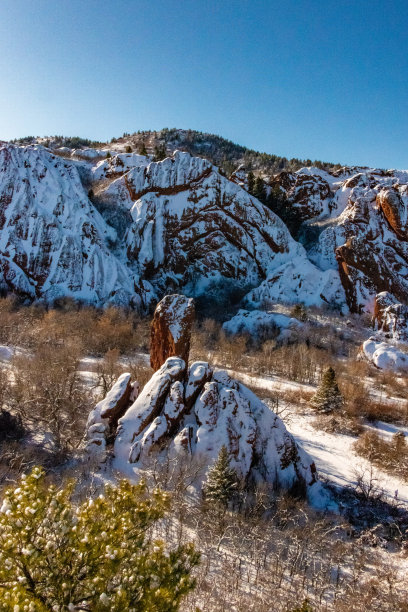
[[179, 225], [52, 240], [359, 216], [174, 225]]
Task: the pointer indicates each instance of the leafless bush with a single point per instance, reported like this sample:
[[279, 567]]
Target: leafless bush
[[108, 371], [46, 391], [391, 456]]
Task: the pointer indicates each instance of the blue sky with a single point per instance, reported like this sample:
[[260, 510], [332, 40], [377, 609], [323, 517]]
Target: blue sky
[[320, 80]]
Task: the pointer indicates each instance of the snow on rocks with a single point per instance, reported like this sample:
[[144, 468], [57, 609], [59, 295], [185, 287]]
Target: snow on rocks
[[224, 412], [53, 242], [197, 411], [88, 154], [257, 323], [384, 355], [359, 219], [103, 419], [180, 224], [299, 281], [117, 165], [391, 317], [146, 408], [203, 233], [171, 329]]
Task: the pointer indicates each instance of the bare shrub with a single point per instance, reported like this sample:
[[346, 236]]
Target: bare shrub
[[108, 371], [368, 484], [48, 395], [391, 456]]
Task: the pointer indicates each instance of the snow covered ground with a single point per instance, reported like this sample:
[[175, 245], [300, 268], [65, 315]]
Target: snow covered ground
[[334, 455]]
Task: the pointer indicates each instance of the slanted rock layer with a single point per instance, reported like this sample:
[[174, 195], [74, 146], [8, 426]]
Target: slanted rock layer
[[174, 225]]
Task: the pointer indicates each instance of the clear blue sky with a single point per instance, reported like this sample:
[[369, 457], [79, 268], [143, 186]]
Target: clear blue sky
[[311, 79]]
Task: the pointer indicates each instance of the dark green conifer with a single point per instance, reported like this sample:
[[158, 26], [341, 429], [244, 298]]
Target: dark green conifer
[[222, 480], [328, 397]]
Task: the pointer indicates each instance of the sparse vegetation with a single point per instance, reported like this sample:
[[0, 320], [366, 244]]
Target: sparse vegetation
[[268, 549], [390, 455]]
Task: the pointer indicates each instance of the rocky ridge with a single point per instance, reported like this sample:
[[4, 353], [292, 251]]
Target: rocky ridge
[[108, 226], [173, 225], [359, 215]]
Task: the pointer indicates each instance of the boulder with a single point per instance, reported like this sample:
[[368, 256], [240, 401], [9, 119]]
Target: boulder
[[171, 329], [384, 356], [395, 211]]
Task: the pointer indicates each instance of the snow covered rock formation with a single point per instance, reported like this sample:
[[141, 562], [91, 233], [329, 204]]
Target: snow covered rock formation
[[384, 355], [105, 226], [103, 419], [174, 225], [196, 410], [262, 324], [354, 222], [53, 242]]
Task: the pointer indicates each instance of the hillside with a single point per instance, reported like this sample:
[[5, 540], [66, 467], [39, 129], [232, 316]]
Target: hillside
[[221, 152]]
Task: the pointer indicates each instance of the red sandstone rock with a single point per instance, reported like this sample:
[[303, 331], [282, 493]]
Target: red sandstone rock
[[171, 329], [394, 211]]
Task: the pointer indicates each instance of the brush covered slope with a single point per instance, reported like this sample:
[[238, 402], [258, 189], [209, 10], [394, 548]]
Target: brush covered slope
[[176, 225]]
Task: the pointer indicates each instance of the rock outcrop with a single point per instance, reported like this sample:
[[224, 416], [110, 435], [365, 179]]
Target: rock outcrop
[[172, 226], [391, 317], [53, 242], [103, 419], [192, 412], [263, 324], [171, 329], [384, 355], [151, 228], [197, 411], [357, 228]]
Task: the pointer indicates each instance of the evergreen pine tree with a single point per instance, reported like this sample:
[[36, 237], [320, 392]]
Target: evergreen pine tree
[[95, 554], [259, 189], [159, 153], [142, 149], [221, 480], [251, 181], [328, 397]]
